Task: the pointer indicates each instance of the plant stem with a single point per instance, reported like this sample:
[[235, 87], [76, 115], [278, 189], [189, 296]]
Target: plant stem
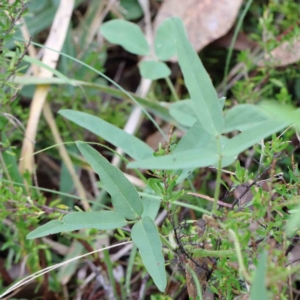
[[199, 252], [196, 281], [217, 188], [111, 277], [129, 269], [239, 255], [172, 89], [194, 207]]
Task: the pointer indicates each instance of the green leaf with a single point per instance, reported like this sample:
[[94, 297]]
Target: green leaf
[[194, 158], [35, 6], [249, 137], [222, 101], [151, 206], [132, 9], [243, 117], [165, 43], [185, 173], [196, 138], [258, 289], [285, 113], [124, 196], [228, 159], [293, 222], [118, 137], [10, 160], [127, 35], [183, 112], [154, 70], [3, 123], [196, 149], [102, 220], [198, 83], [146, 238]]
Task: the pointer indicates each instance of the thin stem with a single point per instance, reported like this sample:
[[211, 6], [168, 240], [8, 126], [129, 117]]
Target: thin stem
[[166, 243], [236, 31], [196, 281], [129, 269], [172, 89], [262, 155], [194, 207], [217, 188], [199, 252], [239, 255], [111, 277]]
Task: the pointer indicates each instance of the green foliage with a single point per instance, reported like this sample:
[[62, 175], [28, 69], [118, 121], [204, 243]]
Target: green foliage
[[293, 221], [10, 14], [258, 289], [204, 144], [154, 70], [129, 143], [20, 212], [132, 9], [201, 146], [251, 136], [127, 35], [145, 236], [180, 160], [198, 83], [208, 112], [165, 43], [283, 112], [243, 117], [102, 220], [151, 204], [183, 112], [131, 38], [125, 199]]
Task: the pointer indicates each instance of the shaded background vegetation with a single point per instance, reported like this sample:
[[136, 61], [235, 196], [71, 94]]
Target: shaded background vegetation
[[260, 68]]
